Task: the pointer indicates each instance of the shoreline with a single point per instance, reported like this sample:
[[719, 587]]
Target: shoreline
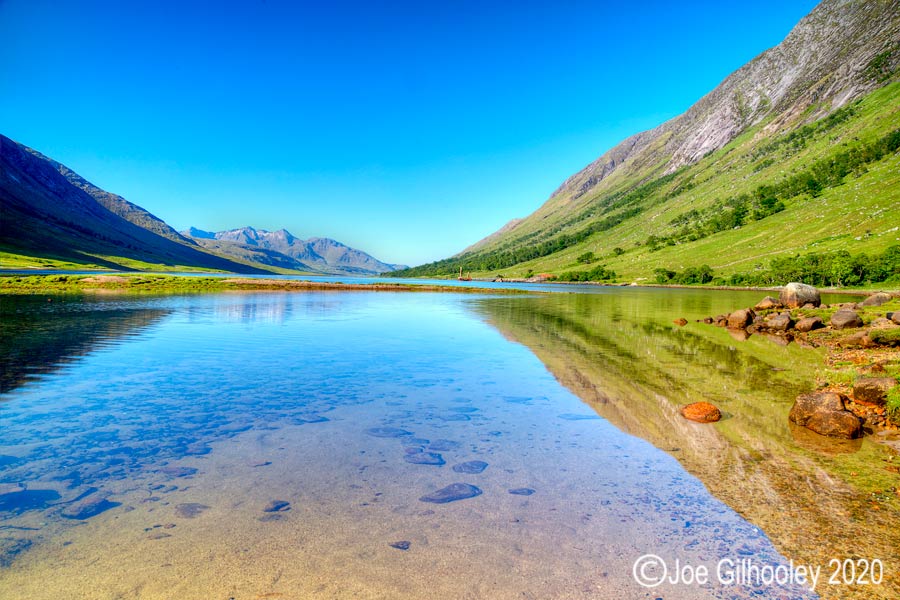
[[138, 283]]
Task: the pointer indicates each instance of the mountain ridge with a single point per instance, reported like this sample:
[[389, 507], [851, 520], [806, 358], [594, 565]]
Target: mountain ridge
[[842, 53], [282, 249]]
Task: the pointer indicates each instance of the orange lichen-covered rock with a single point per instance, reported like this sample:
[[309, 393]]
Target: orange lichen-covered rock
[[701, 412]]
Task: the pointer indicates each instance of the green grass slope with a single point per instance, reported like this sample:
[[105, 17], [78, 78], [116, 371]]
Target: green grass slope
[[820, 186]]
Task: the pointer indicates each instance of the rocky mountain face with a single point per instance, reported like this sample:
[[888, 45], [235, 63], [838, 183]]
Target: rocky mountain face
[[47, 210], [838, 53], [282, 249]]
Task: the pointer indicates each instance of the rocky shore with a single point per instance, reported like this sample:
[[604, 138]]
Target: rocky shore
[[858, 389]]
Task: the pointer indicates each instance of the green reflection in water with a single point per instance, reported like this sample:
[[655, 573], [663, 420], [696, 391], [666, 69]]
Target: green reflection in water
[[816, 498]]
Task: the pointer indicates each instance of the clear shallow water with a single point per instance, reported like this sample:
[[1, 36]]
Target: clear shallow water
[[190, 415]]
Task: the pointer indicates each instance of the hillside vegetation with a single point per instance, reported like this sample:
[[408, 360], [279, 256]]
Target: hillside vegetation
[[793, 165]]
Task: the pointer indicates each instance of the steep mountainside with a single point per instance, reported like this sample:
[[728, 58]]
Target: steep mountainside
[[46, 210], [825, 90], [283, 250]]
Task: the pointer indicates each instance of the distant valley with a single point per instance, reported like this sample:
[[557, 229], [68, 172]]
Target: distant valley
[[283, 250], [52, 218]]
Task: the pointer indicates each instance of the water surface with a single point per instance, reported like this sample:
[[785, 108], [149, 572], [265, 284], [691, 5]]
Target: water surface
[[185, 417]]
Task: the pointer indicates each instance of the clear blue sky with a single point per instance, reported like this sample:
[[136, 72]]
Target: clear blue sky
[[407, 129]]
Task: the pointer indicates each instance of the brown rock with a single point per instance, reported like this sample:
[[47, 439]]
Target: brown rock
[[701, 412], [860, 338], [824, 413], [680, 322], [740, 319], [781, 322], [808, 324], [795, 295], [895, 317], [767, 303], [845, 319], [876, 299], [873, 389]]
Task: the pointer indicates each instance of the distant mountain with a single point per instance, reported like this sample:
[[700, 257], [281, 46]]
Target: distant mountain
[[49, 211], [283, 250], [792, 153]]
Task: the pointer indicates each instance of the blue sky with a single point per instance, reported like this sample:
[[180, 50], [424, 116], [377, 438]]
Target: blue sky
[[406, 129]]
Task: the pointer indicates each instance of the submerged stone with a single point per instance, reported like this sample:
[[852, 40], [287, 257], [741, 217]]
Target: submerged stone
[[521, 491], [91, 507], [174, 471], [190, 510], [472, 466], [443, 445], [277, 506], [404, 545], [451, 493], [425, 458], [387, 432], [23, 500]]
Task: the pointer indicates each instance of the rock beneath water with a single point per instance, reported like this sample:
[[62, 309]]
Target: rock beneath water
[[845, 319], [6, 460], [808, 324], [680, 322], [12, 547], [173, 471], [895, 317], [388, 432], [767, 303], [22, 500], [472, 467], [90, 507], [277, 506], [451, 493], [521, 491], [740, 319], [190, 510], [701, 412], [425, 458], [876, 299], [824, 413], [795, 295], [443, 445], [404, 545], [873, 389]]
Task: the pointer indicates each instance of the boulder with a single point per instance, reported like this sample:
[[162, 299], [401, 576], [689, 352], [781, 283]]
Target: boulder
[[808, 324], [740, 319], [824, 413], [701, 412], [795, 295], [845, 319], [859, 338], [873, 389], [767, 303], [895, 317], [876, 299], [780, 322]]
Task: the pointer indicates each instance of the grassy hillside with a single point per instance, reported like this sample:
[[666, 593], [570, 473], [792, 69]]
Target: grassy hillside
[[828, 185]]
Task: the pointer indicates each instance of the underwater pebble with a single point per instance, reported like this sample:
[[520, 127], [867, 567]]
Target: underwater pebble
[[277, 506], [387, 432], [472, 466], [404, 545], [521, 491], [424, 458], [451, 493]]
